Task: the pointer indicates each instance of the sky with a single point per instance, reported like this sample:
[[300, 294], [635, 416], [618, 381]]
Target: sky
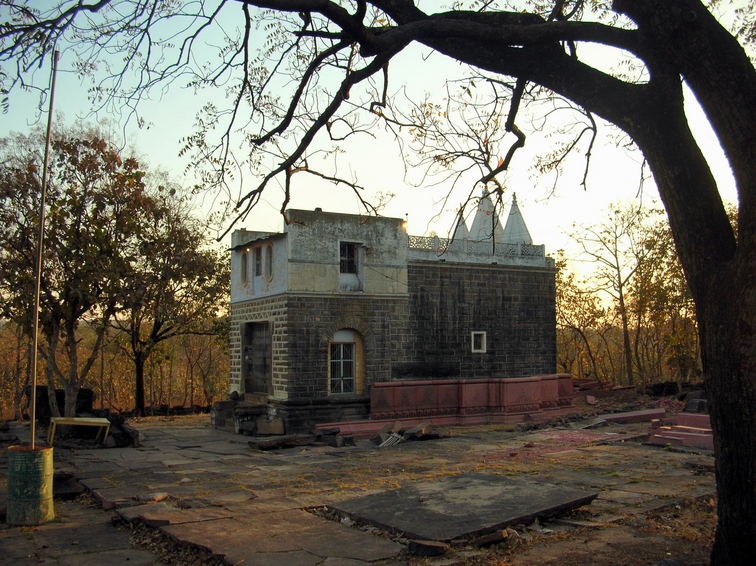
[[550, 211]]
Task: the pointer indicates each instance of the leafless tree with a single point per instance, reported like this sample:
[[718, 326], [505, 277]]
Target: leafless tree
[[303, 76]]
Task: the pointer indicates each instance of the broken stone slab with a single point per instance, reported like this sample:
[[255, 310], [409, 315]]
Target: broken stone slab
[[282, 538], [635, 416], [162, 514], [464, 506], [427, 548]]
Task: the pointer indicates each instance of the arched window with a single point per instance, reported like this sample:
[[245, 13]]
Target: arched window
[[345, 362]]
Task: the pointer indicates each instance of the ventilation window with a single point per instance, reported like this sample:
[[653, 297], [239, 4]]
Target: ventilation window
[[478, 342]]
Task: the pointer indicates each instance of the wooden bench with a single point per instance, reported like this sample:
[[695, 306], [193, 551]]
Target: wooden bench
[[103, 424]]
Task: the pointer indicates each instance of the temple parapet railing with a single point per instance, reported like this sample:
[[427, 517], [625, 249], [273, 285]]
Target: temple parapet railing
[[430, 248]]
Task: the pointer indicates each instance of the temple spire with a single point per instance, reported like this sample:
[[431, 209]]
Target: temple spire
[[486, 222], [460, 231], [515, 231]]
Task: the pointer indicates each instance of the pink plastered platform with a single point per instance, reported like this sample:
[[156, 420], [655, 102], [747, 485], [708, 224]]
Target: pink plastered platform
[[447, 402]]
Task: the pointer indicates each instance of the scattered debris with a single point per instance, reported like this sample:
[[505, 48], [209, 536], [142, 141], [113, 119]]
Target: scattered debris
[[508, 535], [393, 434], [591, 400], [393, 439], [156, 497], [686, 429], [385, 432]]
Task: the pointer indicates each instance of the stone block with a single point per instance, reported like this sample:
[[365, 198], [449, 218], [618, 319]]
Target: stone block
[[267, 426]]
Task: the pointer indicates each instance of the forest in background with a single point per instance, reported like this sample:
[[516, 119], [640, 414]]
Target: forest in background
[[627, 317], [189, 371], [624, 317], [133, 290]]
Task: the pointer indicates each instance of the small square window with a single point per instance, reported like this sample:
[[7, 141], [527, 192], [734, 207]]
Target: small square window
[[478, 342]]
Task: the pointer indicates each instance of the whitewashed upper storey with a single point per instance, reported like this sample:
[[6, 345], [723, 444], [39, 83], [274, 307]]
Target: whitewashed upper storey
[[324, 252]]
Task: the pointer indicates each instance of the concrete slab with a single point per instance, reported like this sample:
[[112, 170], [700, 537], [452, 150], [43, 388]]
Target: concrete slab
[[462, 506]]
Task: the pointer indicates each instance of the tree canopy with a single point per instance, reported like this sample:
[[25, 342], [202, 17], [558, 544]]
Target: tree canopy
[[117, 252]]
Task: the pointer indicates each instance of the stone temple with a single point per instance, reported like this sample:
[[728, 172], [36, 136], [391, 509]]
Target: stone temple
[[338, 302]]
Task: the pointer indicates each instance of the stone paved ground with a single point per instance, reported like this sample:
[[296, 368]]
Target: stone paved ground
[[210, 489]]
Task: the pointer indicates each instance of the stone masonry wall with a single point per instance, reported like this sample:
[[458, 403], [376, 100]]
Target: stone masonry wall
[[272, 310], [513, 305], [313, 319]]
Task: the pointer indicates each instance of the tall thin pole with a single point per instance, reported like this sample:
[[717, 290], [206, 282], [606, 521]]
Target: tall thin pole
[[40, 247]]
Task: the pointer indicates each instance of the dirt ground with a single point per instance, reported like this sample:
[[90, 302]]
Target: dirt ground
[[678, 534], [681, 532]]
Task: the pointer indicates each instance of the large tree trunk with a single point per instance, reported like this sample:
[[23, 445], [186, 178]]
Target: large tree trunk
[[722, 279], [729, 359]]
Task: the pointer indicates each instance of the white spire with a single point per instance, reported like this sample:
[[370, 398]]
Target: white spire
[[486, 222], [460, 231], [516, 232]]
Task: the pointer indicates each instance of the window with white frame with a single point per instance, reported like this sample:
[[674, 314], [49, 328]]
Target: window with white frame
[[342, 367], [344, 362], [478, 341]]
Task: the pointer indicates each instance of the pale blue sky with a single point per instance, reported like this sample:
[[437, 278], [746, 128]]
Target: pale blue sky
[[375, 163]]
